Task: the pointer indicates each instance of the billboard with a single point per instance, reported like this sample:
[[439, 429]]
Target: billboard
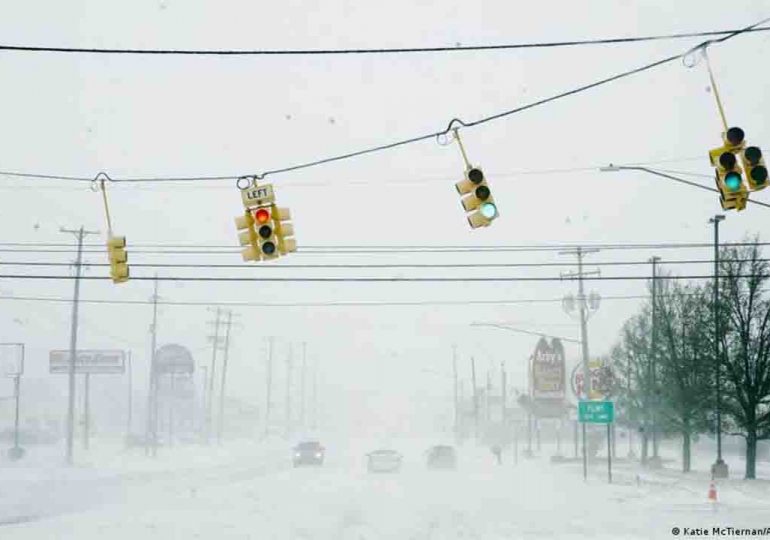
[[548, 370], [89, 361], [174, 358], [11, 359]]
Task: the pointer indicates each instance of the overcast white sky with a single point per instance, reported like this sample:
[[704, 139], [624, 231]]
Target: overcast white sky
[[136, 116]]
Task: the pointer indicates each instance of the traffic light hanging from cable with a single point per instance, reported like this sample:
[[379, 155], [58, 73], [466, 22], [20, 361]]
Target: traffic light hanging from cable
[[754, 165], [729, 176], [264, 228], [477, 198], [116, 247]]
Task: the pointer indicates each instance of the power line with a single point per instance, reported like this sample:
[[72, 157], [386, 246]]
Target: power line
[[455, 123], [219, 249], [375, 266], [310, 304], [399, 180], [392, 279], [380, 50]]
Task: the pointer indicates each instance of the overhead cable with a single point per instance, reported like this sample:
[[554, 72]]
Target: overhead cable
[[455, 123], [379, 50]]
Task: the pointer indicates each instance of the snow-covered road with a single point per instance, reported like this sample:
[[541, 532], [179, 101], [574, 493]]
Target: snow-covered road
[[252, 492]]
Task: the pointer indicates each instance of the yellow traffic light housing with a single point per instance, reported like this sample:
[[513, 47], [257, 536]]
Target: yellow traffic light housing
[[477, 198], [729, 176], [116, 247], [265, 228], [754, 165], [284, 230], [247, 237]]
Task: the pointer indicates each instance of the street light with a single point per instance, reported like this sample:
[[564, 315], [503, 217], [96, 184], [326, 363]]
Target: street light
[[719, 469], [614, 168]]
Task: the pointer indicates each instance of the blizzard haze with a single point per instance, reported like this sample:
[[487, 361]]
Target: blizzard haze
[[353, 364]]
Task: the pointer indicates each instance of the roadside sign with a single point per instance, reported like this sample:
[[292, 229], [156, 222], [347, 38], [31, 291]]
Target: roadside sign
[[258, 195], [11, 359], [174, 358], [89, 361], [596, 412]]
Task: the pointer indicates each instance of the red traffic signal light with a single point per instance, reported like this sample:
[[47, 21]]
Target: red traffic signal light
[[262, 215]]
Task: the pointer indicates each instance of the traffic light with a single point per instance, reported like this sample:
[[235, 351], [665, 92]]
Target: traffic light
[[247, 236], [729, 176], [754, 165], [265, 229], [477, 198], [116, 247], [284, 230]]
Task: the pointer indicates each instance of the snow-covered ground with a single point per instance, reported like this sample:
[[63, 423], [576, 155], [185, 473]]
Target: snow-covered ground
[[249, 490]]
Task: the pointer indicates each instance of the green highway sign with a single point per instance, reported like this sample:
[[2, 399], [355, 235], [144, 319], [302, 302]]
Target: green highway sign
[[596, 412]]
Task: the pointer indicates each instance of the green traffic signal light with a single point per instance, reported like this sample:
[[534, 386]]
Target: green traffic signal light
[[733, 181], [488, 210]]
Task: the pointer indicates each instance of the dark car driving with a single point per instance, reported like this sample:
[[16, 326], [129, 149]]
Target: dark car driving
[[308, 453], [441, 457]]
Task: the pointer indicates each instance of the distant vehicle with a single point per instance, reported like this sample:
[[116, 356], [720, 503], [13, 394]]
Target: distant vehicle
[[442, 457], [383, 461], [308, 453]]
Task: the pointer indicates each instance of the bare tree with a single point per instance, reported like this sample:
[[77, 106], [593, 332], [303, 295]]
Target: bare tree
[[745, 364], [631, 358], [684, 353]]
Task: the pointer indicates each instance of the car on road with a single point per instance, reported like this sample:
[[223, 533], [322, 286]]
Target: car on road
[[441, 457], [383, 460], [308, 453]]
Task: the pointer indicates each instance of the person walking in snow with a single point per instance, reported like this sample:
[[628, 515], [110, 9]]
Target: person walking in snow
[[498, 452]]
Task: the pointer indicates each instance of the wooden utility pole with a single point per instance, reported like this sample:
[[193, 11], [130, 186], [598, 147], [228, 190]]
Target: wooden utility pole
[[80, 234]]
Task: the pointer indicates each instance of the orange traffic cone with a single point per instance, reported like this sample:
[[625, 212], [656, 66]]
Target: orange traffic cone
[[712, 492]]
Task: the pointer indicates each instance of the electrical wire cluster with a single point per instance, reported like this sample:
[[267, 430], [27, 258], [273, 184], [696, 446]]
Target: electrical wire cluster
[[455, 123]]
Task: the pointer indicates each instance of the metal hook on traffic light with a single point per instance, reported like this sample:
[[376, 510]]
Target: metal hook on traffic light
[[445, 139], [239, 182], [690, 59], [95, 182], [98, 183], [451, 125]]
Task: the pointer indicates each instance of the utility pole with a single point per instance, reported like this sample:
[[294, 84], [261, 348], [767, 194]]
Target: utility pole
[[151, 429], [80, 233], [631, 454], [457, 405], [86, 410], [204, 399], [475, 398], [315, 393], [652, 405], [224, 377], [269, 380], [214, 345], [289, 366], [302, 387], [584, 308], [503, 395], [130, 406], [487, 394], [719, 469]]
